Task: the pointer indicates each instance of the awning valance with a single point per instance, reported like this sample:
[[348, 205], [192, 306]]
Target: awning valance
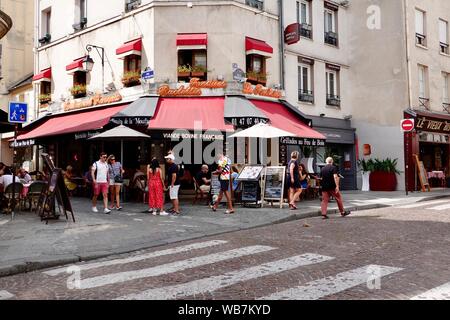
[[191, 41], [255, 46], [129, 48], [44, 75], [242, 113], [190, 114], [73, 122], [76, 65], [139, 112]]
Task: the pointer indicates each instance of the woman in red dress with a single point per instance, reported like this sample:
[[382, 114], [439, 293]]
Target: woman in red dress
[[155, 189]]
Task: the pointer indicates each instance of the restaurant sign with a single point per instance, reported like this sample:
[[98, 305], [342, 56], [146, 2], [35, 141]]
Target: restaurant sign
[[424, 123], [85, 135], [203, 136], [22, 143], [194, 89], [260, 90], [292, 33], [139, 121], [302, 141], [246, 121], [98, 99]]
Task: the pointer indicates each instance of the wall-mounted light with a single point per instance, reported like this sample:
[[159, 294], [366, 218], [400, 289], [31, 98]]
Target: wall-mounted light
[[88, 63]]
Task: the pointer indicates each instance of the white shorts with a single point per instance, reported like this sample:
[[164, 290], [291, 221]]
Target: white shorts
[[173, 192], [205, 188], [113, 183]]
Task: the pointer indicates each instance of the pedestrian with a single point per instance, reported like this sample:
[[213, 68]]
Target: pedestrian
[[173, 182], [100, 174], [303, 177], [293, 180], [330, 188], [224, 172], [68, 175], [155, 189], [115, 181]]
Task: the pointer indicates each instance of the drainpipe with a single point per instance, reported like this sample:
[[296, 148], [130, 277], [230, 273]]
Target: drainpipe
[[408, 72], [281, 24]]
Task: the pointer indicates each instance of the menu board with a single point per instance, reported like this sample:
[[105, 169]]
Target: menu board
[[250, 191], [274, 183], [250, 173], [215, 185], [422, 175]]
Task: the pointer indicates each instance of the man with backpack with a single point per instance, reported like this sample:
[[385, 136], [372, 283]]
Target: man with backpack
[[99, 173]]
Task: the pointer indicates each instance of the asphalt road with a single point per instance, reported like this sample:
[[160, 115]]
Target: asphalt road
[[392, 253]]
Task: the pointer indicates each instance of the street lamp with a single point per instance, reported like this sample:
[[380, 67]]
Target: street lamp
[[88, 63]]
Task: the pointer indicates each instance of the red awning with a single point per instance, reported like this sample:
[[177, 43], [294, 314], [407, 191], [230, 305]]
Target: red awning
[[255, 46], [192, 40], [76, 65], [130, 47], [183, 113], [74, 122], [284, 119], [44, 75]]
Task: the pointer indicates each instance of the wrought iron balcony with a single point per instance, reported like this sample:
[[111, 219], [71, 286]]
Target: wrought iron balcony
[[444, 47], [446, 106], [306, 30], [258, 4], [424, 103], [5, 24], [306, 96], [331, 38], [421, 39], [333, 100]]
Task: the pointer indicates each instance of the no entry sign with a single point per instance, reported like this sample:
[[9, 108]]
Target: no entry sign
[[407, 125]]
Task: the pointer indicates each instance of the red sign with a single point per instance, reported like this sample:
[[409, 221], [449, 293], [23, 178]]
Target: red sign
[[407, 125], [292, 33]]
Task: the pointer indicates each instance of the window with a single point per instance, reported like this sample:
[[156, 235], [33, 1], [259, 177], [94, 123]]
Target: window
[[79, 84], [330, 27], [305, 92], [46, 22], [192, 63], [423, 87], [132, 70], [256, 69], [304, 18], [445, 98], [80, 15], [332, 84], [131, 5], [443, 36], [258, 4], [45, 92], [420, 28]]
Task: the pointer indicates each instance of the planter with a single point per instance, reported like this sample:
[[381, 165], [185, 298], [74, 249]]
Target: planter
[[197, 74], [365, 181], [79, 95], [131, 82], [252, 78], [183, 74], [44, 101], [383, 181]]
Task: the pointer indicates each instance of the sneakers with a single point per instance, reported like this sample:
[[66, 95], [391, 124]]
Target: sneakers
[[94, 209], [154, 212], [345, 213], [163, 213], [107, 211]]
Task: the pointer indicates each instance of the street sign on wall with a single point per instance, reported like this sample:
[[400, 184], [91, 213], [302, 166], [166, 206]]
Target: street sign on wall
[[147, 74], [407, 125], [17, 112]]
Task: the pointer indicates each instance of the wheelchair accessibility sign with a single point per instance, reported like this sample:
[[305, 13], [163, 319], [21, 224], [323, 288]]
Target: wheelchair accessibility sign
[[18, 112]]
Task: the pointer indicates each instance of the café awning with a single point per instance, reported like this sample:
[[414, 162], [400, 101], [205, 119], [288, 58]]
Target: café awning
[[75, 65], [190, 114], [138, 112], [44, 75], [192, 41], [129, 48], [255, 46], [241, 112], [73, 122]]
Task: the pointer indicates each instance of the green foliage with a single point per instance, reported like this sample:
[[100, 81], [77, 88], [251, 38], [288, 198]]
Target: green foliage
[[198, 68], [78, 89], [184, 68], [372, 165]]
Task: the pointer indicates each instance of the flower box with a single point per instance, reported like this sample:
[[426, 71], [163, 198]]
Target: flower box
[[197, 74], [183, 74], [131, 78]]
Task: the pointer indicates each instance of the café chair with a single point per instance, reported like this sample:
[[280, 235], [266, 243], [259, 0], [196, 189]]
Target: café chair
[[8, 194], [34, 193], [199, 193]]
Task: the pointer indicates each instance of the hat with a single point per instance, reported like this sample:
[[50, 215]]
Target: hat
[[170, 156]]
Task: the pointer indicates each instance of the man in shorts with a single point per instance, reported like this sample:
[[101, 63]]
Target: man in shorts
[[99, 173], [174, 183]]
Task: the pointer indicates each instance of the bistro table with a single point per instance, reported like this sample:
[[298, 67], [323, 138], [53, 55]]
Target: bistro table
[[439, 175]]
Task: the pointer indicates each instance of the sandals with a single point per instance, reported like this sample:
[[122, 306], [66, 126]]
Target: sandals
[[292, 207], [345, 213], [325, 217], [213, 208], [229, 212]]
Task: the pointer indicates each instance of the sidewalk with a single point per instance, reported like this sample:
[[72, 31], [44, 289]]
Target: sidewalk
[[28, 244]]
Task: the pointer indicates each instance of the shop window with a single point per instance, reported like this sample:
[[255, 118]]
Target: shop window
[[192, 64], [45, 95], [79, 84], [131, 71], [256, 69]]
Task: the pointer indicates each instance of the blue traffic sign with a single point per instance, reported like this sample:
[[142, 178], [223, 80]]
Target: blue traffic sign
[[147, 75], [18, 112]]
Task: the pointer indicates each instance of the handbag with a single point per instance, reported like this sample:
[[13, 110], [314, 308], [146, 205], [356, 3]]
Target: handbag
[[118, 178]]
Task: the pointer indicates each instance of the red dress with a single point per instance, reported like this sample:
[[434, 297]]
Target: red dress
[[155, 190]]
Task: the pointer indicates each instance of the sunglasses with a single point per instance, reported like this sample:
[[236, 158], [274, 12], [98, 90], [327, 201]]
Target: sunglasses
[[104, 157]]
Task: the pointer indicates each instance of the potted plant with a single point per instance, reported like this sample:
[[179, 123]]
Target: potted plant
[[184, 71], [131, 78], [78, 90], [366, 167], [384, 175], [262, 77], [252, 76], [45, 98], [198, 71]]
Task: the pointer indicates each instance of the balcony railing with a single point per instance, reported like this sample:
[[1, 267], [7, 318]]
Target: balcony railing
[[446, 106], [331, 38], [424, 103], [306, 30], [421, 39], [333, 100], [306, 96], [444, 47], [258, 4]]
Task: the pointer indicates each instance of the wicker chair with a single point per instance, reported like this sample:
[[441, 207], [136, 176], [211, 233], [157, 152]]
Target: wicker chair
[[34, 193], [8, 194]]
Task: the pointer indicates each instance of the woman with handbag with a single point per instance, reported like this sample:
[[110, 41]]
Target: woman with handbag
[[115, 181]]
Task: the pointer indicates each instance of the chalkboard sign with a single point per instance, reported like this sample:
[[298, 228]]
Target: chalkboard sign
[[250, 191], [274, 184], [422, 175], [215, 188], [250, 173]]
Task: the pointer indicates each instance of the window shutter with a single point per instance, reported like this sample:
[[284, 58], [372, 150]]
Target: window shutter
[[420, 22]]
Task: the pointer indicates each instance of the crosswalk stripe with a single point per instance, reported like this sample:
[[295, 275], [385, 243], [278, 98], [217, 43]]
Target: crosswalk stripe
[[421, 204], [440, 208], [438, 293], [5, 295], [171, 267], [331, 285], [217, 282], [189, 247]]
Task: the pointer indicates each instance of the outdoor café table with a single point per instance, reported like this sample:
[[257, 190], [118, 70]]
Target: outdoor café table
[[437, 175]]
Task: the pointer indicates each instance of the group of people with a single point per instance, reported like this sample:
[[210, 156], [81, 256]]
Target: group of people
[[297, 182], [6, 176]]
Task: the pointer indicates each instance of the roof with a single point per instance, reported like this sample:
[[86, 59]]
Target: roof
[[21, 82]]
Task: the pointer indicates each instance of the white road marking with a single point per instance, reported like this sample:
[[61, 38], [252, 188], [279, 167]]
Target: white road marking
[[189, 247], [421, 204], [3, 222], [440, 208], [5, 295], [438, 293], [171, 267], [217, 282], [331, 285]]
